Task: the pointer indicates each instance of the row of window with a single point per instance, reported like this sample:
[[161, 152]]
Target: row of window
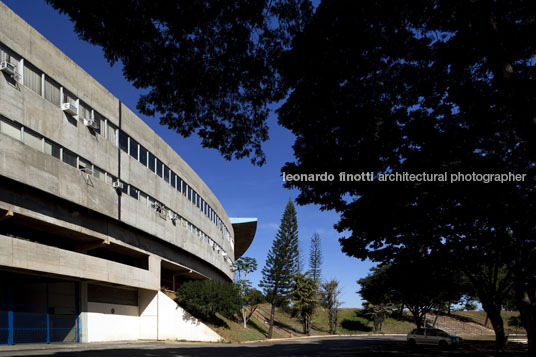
[[46, 87], [42, 144], [166, 213], [56, 94], [147, 159]]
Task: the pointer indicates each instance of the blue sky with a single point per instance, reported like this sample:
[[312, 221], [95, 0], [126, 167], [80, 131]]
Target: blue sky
[[243, 189]]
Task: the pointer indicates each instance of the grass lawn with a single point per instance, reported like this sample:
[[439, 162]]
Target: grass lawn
[[480, 318], [349, 323]]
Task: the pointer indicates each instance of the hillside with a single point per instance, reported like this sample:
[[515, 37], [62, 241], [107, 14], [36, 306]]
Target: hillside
[[467, 323], [479, 317], [287, 326]]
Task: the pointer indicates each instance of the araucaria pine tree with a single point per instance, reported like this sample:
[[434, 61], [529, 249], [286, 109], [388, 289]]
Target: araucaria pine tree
[[315, 258], [281, 263]]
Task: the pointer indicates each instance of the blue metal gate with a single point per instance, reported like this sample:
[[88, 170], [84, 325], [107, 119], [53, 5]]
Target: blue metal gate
[[39, 321]]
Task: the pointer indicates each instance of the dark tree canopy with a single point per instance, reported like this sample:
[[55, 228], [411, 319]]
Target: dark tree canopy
[[208, 65], [422, 283], [434, 86]]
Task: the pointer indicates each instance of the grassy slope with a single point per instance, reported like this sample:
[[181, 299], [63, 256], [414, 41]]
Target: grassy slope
[[480, 317], [349, 323]]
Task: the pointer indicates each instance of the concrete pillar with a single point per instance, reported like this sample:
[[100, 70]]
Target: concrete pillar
[[155, 264], [83, 312]]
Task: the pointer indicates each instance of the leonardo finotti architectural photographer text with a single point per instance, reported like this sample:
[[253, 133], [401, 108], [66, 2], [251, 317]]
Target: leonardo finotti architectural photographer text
[[407, 177]]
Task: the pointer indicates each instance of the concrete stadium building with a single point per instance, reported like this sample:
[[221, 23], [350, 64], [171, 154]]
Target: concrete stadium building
[[98, 215]]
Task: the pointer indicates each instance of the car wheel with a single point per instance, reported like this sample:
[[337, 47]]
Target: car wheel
[[411, 342], [443, 344]]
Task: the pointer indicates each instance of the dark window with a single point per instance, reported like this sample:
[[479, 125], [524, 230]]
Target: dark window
[[143, 156], [133, 192], [133, 148], [151, 162], [179, 184], [159, 167], [52, 149], [69, 158], [111, 295], [123, 141], [166, 173], [172, 181], [189, 192], [419, 331]]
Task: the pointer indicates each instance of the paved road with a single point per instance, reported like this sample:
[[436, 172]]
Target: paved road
[[333, 346]]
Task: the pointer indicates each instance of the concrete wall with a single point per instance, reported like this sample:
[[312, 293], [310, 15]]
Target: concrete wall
[[148, 315], [156, 317], [46, 173], [17, 253], [174, 323], [103, 325]]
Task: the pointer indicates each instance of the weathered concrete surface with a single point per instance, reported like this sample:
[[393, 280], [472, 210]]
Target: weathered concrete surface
[[21, 254], [36, 169]]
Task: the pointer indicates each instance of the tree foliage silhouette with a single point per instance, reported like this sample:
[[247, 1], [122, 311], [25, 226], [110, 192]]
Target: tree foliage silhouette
[[209, 66], [445, 86]]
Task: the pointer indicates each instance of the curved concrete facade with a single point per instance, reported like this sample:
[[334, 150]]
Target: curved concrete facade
[[87, 184]]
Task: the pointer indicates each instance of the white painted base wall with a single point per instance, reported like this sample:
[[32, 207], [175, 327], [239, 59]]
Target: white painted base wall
[[157, 317], [103, 325], [174, 323]]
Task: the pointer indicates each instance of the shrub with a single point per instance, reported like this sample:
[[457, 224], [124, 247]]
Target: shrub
[[205, 298]]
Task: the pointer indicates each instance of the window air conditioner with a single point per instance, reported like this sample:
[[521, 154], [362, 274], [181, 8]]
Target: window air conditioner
[[118, 185], [91, 123], [69, 108], [7, 67]]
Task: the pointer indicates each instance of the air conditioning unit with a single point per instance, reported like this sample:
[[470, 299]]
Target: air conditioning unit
[[118, 185], [173, 216], [69, 108], [91, 123], [7, 67]]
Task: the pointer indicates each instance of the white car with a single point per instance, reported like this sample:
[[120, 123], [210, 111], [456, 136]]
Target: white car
[[432, 336]]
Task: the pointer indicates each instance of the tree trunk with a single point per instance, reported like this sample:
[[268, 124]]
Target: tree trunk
[[494, 315], [244, 317], [271, 328], [417, 318], [527, 310], [435, 319]]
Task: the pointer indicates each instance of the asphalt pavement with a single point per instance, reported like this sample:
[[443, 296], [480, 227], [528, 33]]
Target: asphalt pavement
[[330, 346]]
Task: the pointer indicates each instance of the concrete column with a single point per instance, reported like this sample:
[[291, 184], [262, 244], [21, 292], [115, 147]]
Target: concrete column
[[155, 269], [83, 312]]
